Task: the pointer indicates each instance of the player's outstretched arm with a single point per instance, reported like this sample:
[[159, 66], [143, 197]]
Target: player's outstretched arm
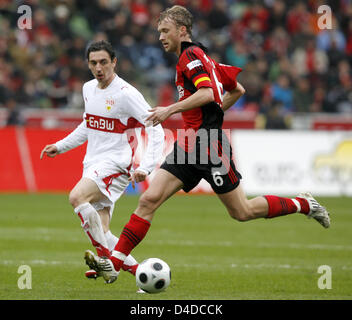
[[71, 141], [50, 150], [231, 97]]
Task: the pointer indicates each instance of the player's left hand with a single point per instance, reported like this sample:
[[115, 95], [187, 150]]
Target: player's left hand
[[137, 176], [158, 115]]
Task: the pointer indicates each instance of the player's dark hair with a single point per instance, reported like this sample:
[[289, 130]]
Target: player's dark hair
[[180, 15], [101, 45]]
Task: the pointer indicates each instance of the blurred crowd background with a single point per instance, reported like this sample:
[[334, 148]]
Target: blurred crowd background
[[289, 64]]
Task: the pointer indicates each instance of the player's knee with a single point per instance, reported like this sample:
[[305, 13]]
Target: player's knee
[[149, 201], [75, 198]]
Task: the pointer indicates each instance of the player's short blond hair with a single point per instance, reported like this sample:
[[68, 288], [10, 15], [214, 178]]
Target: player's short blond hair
[[180, 15]]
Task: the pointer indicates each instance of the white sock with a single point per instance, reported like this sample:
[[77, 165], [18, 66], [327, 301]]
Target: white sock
[[112, 241], [91, 223]]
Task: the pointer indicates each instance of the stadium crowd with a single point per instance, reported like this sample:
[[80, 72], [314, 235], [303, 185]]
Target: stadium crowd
[[289, 64]]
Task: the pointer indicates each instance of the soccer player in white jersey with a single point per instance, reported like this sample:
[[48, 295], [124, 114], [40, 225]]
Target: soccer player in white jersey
[[113, 111]]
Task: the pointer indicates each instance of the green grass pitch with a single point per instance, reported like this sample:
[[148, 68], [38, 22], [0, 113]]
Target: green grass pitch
[[211, 256]]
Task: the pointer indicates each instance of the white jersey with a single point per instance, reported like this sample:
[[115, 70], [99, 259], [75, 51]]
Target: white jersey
[[110, 119]]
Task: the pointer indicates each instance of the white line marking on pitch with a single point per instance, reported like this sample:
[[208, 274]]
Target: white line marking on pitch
[[183, 265], [262, 245]]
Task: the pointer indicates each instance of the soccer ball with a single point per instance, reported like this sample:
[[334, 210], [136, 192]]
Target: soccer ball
[[153, 275]]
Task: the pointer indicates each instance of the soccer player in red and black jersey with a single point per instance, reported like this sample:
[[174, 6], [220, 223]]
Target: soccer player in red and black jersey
[[200, 82]]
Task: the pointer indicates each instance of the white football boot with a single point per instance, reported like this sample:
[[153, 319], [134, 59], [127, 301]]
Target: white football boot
[[317, 211], [103, 266]]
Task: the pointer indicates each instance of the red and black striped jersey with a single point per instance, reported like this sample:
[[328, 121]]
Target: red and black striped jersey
[[195, 70]]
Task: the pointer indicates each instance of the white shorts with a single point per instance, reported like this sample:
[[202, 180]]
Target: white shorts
[[110, 181]]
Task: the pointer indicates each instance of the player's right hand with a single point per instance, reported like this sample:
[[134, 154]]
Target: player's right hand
[[137, 176], [50, 150]]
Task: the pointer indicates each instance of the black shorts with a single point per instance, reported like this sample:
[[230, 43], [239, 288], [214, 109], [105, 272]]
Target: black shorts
[[220, 172]]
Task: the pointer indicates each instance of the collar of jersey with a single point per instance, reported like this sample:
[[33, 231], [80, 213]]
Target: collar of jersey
[[116, 77], [187, 44]]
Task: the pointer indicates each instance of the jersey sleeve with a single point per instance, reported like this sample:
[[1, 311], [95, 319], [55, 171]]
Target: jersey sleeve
[[74, 139], [137, 107], [194, 68], [228, 75]]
